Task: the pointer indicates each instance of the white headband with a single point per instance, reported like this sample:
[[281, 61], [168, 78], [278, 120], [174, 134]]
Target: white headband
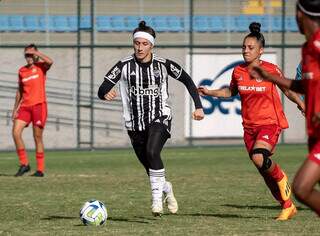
[[145, 35], [307, 12]]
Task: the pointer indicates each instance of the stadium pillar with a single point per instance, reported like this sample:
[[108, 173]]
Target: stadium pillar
[[85, 101], [190, 141]]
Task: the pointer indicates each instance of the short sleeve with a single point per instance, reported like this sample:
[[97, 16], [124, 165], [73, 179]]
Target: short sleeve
[[234, 83]]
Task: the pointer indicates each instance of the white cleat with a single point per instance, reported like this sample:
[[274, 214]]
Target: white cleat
[[156, 208], [171, 201]]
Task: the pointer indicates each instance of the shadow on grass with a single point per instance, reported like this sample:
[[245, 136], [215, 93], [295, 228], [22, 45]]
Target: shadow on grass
[[59, 218], [219, 215], [6, 175], [120, 219], [259, 207]]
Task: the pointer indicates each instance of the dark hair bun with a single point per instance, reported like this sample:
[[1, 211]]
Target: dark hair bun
[[142, 24], [254, 27]]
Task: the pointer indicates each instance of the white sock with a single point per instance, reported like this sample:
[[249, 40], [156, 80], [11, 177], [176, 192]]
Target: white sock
[[166, 187], [157, 181]]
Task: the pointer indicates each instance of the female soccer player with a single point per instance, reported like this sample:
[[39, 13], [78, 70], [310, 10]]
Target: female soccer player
[[263, 117], [31, 106], [143, 79], [308, 19]]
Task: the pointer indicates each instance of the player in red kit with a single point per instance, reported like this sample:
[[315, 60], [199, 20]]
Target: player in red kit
[[31, 106], [262, 115], [308, 19]]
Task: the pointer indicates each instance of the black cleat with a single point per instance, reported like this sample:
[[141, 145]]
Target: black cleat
[[23, 169], [37, 174]]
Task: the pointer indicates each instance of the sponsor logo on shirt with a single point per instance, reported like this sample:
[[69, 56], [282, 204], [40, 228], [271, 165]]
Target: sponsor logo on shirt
[[150, 91], [252, 88], [317, 156], [36, 76], [265, 137], [175, 70], [113, 74]]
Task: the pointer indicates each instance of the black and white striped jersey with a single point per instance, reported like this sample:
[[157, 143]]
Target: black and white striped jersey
[[144, 89]]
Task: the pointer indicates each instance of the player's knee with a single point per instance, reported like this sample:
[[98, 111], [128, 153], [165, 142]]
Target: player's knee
[[37, 138], [152, 154], [16, 134], [301, 190], [260, 156]]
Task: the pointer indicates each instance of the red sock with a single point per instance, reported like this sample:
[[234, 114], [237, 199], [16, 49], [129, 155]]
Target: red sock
[[276, 173], [40, 161], [23, 157]]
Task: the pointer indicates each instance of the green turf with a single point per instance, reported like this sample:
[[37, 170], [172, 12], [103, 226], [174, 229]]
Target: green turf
[[218, 189]]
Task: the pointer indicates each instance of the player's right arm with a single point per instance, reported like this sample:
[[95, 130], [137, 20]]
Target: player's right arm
[[106, 91], [17, 102]]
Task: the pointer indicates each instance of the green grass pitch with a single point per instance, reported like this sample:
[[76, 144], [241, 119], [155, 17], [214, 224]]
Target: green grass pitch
[[218, 189]]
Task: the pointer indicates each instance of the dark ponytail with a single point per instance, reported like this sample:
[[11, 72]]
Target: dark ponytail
[[254, 28], [144, 28]]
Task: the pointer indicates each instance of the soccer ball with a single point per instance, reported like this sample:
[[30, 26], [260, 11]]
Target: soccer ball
[[93, 212]]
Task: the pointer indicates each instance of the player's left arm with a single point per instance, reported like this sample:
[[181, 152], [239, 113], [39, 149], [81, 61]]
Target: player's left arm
[[176, 72], [47, 61]]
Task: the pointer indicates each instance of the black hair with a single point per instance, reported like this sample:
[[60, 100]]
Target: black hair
[[145, 28], [32, 45], [254, 28], [311, 6]]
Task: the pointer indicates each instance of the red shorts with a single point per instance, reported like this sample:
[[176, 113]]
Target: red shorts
[[267, 133], [314, 149], [37, 114]]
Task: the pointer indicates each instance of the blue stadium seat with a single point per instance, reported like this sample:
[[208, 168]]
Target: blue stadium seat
[[276, 23], [31, 23], [85, 23], [200, 24], [103, 24], [175, 24], [149, 21], [161, 24], [4, 23], [217, 23], [46, 23], [61, 24], [119, 23], [132, 22], [16, 23], [291, 24], [242, 23]]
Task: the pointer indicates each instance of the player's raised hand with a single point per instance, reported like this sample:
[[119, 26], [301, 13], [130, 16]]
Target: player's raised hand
[[259, 73], [203, 91], [316, 118], [111, 95], [198, 114]]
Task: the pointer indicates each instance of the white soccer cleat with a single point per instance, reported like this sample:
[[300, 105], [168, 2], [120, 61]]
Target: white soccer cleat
[[170, 200], [156, 208]]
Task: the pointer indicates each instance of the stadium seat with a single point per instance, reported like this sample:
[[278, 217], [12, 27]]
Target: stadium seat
[[31, 23], [61, 24], [4, 23], [149, 21], [85, 22], [276, 23], [291, 24], [132, 22], [103, 24], [46, 23], [16, 23], [161, 24], [242, 23], [217, 23], [200, 24], [118, 23], [175, 24]]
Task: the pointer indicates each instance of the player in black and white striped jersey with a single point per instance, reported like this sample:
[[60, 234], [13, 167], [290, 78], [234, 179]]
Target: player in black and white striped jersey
[[143, 79]]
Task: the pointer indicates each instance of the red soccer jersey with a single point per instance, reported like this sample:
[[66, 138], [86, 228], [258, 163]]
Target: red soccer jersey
[[260, 101], [311, 81], [32, 80]]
